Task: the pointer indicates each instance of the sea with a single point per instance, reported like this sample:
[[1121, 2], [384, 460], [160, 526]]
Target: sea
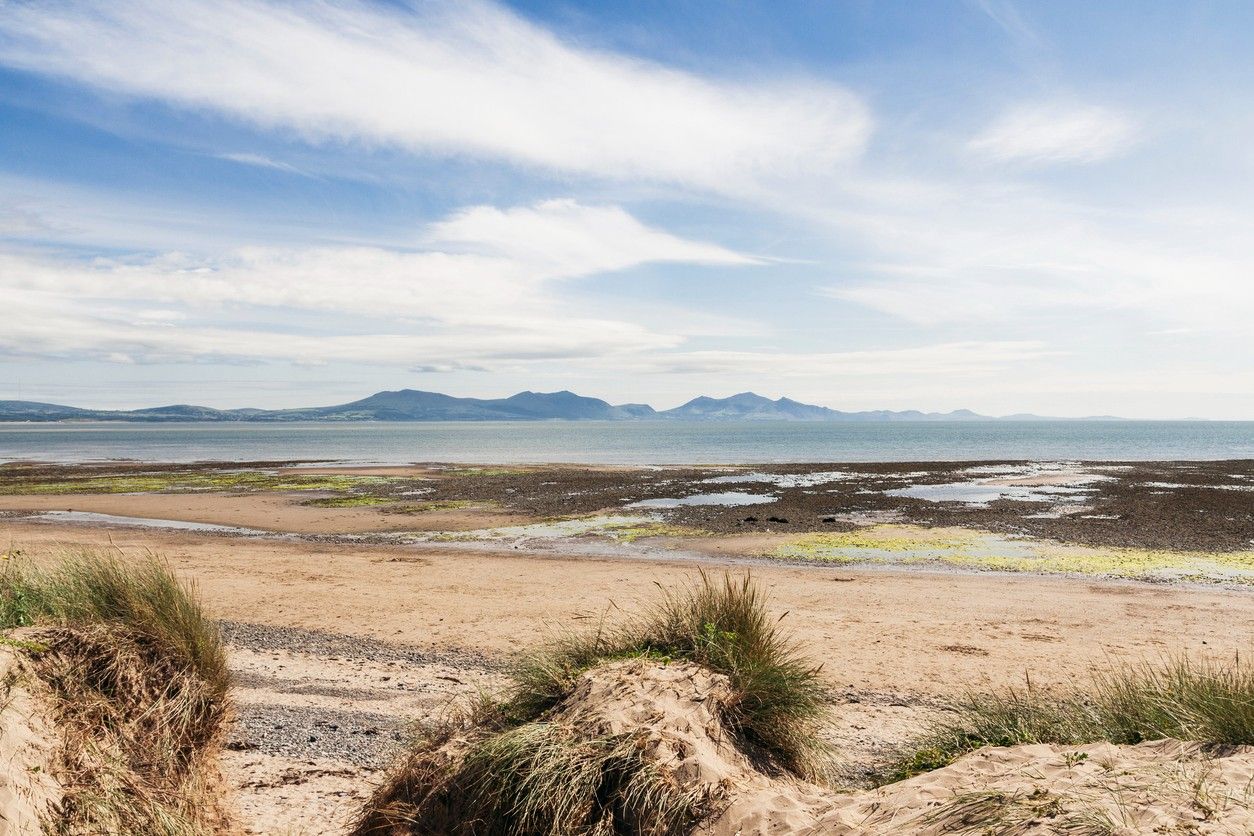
[[629, 443]]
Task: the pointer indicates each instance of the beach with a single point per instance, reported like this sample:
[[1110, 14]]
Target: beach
[[358, 600]]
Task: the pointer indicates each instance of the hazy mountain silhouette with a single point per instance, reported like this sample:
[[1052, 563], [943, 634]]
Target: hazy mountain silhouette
[[415, 405]]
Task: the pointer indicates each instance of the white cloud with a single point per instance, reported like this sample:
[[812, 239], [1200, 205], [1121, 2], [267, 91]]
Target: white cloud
[[492, 300], [464, 79], [980, 255], [1011, 21], [1056, 132], [260, 161], [55, 327], [972, 357], [574, 238]]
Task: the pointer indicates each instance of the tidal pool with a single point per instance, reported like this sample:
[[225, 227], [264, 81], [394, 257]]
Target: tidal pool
[[982, 493], [93, 518], [724, 498]]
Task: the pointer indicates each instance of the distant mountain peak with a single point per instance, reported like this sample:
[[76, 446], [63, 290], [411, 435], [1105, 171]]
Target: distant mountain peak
[[563, 405]]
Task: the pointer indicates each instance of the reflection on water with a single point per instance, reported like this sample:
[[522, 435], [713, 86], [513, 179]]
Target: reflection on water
[[90, 517], [724, 498], [976, 493], [788, 480]]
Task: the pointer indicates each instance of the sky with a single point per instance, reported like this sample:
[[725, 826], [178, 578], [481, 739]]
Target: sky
[[994, 205]]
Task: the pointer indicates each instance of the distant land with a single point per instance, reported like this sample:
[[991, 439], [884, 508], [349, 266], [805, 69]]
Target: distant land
[[414, 405]]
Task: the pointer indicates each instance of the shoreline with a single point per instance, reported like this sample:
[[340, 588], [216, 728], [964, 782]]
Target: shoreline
[[667, 556], [1179, 506]]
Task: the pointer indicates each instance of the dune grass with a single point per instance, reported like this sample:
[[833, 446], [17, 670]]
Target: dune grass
[[136, 679], [721, 624], [140, 595], [538, 778], [1207, 701], [506, 767]]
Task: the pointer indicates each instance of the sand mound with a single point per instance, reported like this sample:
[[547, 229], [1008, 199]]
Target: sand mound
[[28, 792], [1163, 786], [102, 731], [671, 714]]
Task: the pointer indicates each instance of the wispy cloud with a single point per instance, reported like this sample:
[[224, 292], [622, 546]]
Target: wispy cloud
[[465, 79], [1008, 17], [1055, 132], [574, 238], [487, 300], [260, 161], [996, 255], [973, 357]]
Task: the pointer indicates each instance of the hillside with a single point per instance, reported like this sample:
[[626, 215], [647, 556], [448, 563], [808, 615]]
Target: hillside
[[416, 405]]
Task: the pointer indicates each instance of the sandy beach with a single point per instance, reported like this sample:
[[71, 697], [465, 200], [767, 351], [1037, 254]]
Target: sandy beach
[[359, 605]]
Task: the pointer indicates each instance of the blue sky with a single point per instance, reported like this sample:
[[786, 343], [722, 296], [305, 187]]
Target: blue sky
[[1003, 206]]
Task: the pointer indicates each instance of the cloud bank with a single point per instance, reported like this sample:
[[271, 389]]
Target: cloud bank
[[489, 298], [454, 79]]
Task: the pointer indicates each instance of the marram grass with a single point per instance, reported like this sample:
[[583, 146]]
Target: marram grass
[[722, 625], [1207, 700], [521, 772], [136, 680]]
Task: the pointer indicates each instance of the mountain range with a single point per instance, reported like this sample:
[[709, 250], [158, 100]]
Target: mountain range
[[414, 405]]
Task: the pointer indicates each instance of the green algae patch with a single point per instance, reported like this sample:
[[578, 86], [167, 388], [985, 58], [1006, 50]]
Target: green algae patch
[[901, 545], [443, 505], [1230, 567], [225, 481], [484, 471], [896, 539], [880, 544], [631, 532], [350, 501], [623, 528]]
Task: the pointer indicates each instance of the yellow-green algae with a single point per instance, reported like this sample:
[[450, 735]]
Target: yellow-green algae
[[626, 529], [186, 481], [356, 500], [983, 550], [631, 532], [485, 471], [443, 505], [1234, 567]]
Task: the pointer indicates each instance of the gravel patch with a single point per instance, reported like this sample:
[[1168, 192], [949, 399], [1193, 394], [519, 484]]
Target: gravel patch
[[353, 648], [361, 738]]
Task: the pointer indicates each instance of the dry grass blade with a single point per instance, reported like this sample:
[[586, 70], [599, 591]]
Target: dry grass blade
[[136, 679]]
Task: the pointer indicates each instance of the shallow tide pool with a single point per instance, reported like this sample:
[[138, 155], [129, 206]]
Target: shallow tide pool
[[722, 498]]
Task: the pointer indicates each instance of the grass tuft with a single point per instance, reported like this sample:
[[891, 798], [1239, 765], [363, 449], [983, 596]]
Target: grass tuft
[[722, 625], [140, 595], [511, 767], [1199, 700], [136, 680]]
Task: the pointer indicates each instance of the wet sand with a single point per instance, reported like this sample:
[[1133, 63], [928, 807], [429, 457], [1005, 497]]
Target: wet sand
[[1207, 506]]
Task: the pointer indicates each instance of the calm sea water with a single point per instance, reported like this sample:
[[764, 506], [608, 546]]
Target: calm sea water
[[596, 442]]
